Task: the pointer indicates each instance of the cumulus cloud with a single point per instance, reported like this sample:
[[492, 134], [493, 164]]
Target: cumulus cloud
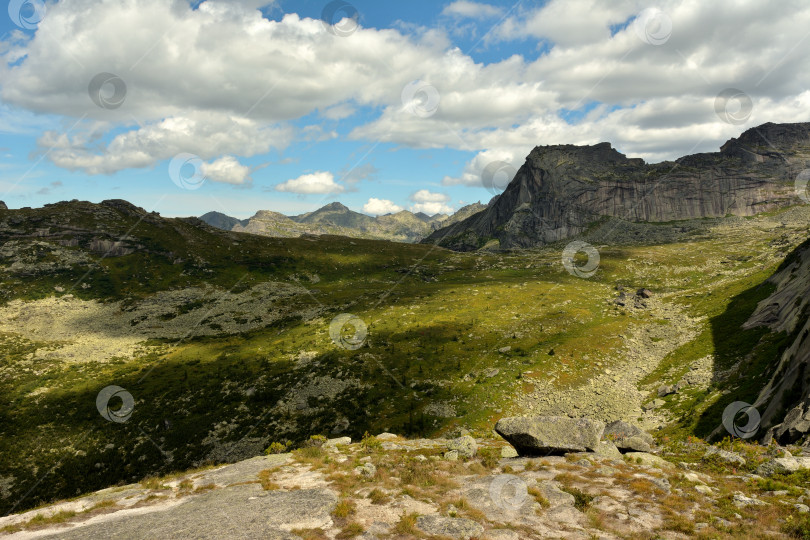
[[472, 10], [430, 203], [425, 196], [307, 184], [226, 169], [221, 80], [378, 207]]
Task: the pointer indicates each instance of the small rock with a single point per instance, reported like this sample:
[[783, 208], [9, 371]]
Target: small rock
[[452, 455], [666, 389], [508, 452], [724, 455], [654, 404], [457, 528], [628, 437], [693, 477], [644, 293], [740, 500], [387, 436], [701, 488], [802, 508], [649, 460], [720, 522], [367, 470], [504, 350], [555, 496], [332, 443], [465, 446]]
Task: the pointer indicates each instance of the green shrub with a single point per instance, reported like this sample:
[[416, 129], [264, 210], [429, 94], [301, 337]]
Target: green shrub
[[581, 499], [797, 527], [277, 448], [369, 443]]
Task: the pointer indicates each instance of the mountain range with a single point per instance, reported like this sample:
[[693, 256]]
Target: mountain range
[[563, 190], [335, 218]]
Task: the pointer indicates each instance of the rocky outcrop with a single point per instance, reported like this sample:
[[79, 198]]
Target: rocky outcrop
[[562, 190], [544, 435], [3, 206], [784, 402]]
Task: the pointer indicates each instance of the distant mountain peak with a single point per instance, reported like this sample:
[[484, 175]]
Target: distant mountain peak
[[335, 206]]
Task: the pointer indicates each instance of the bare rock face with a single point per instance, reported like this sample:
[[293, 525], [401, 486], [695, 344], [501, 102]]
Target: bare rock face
[[784, 402], [563, 189], [543, 435], [3, 206]]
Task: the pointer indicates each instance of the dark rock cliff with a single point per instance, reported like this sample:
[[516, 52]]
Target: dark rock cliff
[[562, 189]]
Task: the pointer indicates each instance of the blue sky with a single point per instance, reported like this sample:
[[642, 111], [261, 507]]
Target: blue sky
[[405, 110]]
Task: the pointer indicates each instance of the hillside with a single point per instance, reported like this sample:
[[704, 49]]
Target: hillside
[[563, 190], [182, 315], [337, 219]]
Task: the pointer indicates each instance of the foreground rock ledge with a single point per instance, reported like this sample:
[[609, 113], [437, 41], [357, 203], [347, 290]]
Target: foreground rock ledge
[[544, 435]]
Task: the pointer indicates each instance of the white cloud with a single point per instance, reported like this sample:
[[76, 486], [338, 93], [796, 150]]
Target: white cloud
[[379, 207], [221, 80], [307, 184], [568, 22], [226, 169], [431, 203], [432, 208], [473, 10], [208, 135], [426, 196]]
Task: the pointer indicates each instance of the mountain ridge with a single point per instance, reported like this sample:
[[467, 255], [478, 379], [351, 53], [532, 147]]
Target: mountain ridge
[[562, 190], [336, 218]]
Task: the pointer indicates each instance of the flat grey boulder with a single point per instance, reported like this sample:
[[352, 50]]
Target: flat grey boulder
[[544, 435], [627, 437], [461, 528], [251, 513]]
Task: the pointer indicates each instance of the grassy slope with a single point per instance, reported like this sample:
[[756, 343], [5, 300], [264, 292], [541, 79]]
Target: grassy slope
[[433, 316]]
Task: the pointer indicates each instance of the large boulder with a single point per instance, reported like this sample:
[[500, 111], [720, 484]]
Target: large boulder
[[544, 435], [628, 438]]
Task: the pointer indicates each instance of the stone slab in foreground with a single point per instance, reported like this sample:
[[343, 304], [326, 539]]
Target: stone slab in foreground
[[544, 435]]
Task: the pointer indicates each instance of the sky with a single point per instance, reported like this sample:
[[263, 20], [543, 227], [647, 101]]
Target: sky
[[238, 106]]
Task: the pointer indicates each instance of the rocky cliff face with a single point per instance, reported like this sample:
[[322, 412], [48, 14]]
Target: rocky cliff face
[[784, 402], [563, 189]]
